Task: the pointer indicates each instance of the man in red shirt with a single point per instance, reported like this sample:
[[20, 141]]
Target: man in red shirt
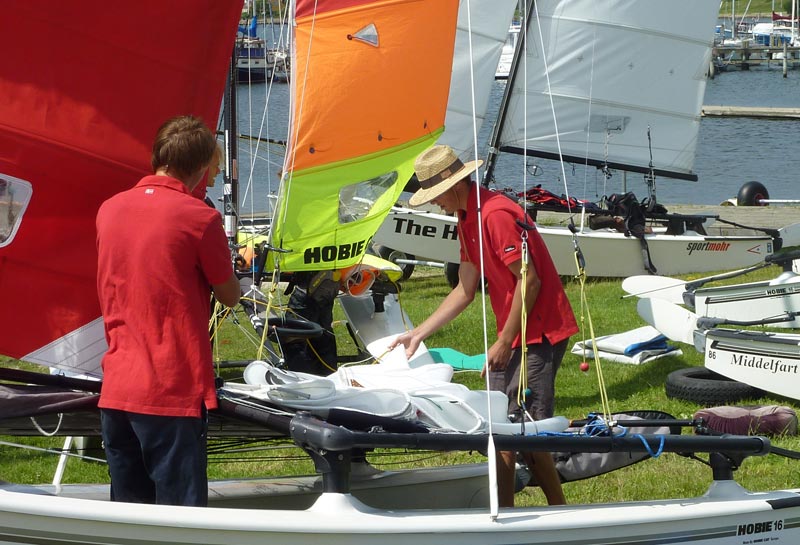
[[161, 252], [445, 181]]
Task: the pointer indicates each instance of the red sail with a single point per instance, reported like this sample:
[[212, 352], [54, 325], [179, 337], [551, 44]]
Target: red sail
[[85, 86]]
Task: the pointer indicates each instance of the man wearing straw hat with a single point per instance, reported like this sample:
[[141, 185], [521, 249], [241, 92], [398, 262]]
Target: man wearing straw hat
[[446, 181]]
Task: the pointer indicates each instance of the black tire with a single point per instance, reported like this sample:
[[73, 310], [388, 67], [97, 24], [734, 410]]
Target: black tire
[[393, 255], [750, 193], [705, 387], [451, 273]]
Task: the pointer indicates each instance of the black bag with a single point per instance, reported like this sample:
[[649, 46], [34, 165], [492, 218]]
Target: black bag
[[575, 466], [627, 206]]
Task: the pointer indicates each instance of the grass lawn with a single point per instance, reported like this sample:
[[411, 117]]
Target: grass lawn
[[629, 387]]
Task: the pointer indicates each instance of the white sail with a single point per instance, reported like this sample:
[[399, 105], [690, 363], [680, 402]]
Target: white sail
[[613, 69], [488, 22]]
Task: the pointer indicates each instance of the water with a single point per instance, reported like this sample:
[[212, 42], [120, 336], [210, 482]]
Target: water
[[730, 151]]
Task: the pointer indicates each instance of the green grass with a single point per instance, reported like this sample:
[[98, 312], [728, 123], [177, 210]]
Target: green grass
[[629, 387], [763, 7]]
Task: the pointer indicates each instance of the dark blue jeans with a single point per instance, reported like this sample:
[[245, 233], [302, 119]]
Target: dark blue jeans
[[156, 459]]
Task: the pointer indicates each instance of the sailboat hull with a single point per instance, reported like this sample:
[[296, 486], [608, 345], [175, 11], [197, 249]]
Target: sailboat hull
[[767, 361], [612, 254], [751, 301], [727, 515], [431, 236], [453, 487]]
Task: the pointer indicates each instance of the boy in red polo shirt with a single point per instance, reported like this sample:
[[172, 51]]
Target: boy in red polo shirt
[[161, 252], [445, 181]]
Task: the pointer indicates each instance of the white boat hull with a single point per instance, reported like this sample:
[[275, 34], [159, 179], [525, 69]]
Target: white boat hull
[[727, 515], [612, 254], [768, 361], [426, 235], [751, 301], [453, 487], [431, 236]]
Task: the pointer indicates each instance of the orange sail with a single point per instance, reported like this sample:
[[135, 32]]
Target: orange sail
[[370, 86]]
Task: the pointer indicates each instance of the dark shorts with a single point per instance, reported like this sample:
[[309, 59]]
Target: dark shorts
[[544, 360], [156, 459]]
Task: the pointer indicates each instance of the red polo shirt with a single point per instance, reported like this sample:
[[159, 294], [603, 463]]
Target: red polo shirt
[[159, 250], [551, 315]]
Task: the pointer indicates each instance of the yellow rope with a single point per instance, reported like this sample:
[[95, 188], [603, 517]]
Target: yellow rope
[[586, 315], [213, 325], [319, 358]]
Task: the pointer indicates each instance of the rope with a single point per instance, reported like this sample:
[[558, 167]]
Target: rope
[[45, 433], [586, 319], [647, 447], [59, 452]]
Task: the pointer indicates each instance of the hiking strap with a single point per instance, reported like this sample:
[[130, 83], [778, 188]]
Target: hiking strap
[[648, 262]]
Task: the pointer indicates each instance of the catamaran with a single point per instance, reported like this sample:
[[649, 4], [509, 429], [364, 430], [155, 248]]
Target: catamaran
[[97, 132]]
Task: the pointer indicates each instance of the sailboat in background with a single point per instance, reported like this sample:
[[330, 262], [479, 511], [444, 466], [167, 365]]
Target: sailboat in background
[[28, 515], [256, 61], [619, 87]]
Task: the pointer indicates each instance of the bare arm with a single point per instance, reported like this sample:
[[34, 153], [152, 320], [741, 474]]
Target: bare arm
[[452, 305], [228, 292]]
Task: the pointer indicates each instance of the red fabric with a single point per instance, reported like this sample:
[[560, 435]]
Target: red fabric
[[80, 127], [200, 190], [305, 8], [159, 250], [551, 314]]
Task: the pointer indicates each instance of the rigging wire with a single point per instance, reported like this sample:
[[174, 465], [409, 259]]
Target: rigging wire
[[494, 507]]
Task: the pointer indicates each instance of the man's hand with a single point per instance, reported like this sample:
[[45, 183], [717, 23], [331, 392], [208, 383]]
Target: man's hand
[[408, 340], [498, 356]]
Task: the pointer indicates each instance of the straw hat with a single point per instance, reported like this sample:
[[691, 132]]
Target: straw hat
[[438, 169]]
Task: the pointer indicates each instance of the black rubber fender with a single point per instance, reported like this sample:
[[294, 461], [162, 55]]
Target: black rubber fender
[[705, 387], [750, 193]]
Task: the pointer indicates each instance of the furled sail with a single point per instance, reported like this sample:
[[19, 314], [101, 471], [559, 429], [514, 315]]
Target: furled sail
[[369, 87], [83, 98], [613, 69]]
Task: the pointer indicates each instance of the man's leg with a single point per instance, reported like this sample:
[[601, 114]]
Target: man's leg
[[130, 481], [543, 363], [506, 460], [506, 473], [544, 471], [175, 457]]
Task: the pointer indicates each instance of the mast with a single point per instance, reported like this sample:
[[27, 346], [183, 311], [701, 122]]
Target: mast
[[519, 51], [230, 191]]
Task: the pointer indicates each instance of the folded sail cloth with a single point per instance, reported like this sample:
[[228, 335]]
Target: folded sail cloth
[[636, 346], [422, 394]]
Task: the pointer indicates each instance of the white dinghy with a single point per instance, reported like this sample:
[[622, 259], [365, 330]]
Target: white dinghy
[[776, 301], [764, 360]]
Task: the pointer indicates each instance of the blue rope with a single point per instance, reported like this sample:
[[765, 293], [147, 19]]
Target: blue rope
[[647, 445]]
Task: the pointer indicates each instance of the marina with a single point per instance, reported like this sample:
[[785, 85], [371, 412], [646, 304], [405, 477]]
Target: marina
[[751, 111], [336, 162], [746, 56]]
